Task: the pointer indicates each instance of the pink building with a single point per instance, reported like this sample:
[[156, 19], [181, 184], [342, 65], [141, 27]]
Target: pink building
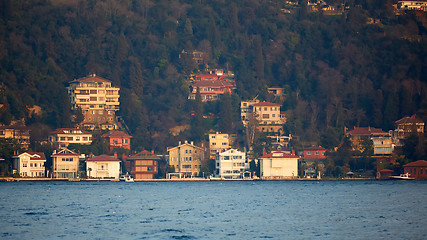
[[117, 139]]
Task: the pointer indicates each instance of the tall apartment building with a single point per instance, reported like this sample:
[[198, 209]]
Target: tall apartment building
[[267, 114], [98, 99]]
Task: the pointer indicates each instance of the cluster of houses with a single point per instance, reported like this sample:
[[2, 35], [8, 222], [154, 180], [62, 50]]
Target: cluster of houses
[[99, 100]]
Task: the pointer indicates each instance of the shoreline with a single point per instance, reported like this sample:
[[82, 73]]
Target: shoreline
[[11, 179]]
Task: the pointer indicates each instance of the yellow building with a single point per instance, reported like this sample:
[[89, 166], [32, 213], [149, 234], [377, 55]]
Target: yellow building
[[218, 142], [269, 116], [98, 100], [186, 158], [62, 137]]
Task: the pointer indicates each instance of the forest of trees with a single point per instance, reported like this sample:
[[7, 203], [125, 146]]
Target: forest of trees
[[338, 70]]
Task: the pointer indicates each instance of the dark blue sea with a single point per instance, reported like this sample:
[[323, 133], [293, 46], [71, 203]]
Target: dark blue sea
[[214, 210]]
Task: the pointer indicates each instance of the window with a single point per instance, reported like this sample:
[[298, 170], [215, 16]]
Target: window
[[266, 116], [149, 169], [24, 165], [62, 138], [213, 143], [224, 144], [316, 153], [125, 141], [92, 91], [265, 108], [213, 137], [308, 153], [186, 151], [421, 171], [69, 138], [92, 99], [77, 138], [31, 165]]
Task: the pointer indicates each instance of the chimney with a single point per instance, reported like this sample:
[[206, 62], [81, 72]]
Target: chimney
[[186, 141], [192, 143], [179, 143], [115, 155]]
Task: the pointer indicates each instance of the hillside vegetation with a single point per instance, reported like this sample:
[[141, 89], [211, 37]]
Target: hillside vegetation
[[338, 70]]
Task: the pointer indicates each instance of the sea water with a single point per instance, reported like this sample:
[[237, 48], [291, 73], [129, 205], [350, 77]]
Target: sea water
[[214, 210]]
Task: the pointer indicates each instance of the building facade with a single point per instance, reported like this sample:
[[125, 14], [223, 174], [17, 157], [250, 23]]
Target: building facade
[[65, 164], [103, 166], [62, 137], [218, 142], [269, 117], [97, 99], [407, 126], [278, 165], [117, 139], [144, 165], [231, 164], [314, 152], [30, 164], [360, 134], [211, 90], [186, 158], [417, 169], [17, 132]]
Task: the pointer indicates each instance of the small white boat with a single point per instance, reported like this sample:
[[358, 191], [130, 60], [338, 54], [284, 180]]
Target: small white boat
[[126, 178], [402, 177]]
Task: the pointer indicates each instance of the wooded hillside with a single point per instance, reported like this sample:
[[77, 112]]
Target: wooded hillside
[[364, 67]]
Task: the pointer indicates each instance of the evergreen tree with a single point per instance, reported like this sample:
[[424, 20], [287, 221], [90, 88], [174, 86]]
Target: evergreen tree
[[226, 114]]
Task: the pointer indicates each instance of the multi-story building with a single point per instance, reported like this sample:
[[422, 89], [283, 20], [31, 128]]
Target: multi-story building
[[65, 163], [30, 164], [408, 126], [359, 134], [246, 109], [62, 137], [211, 90], [144, 165], [186, 158], [117, 139], [97, 99], [218, 142], [382, 145], [269, 117], [103, 166], [417, 169], [278, 165], [231, 164], [17, 132]]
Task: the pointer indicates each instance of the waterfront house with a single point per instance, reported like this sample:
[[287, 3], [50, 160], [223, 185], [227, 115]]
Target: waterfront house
[[18, 132], [103, 166], [30, 164], [417, 169], [65, 163], [62, 137], [186, 158], [97, 99], [117, 139], [231, 164], [278, 165], [144, 165]]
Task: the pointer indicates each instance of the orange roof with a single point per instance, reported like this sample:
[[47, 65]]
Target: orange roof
[[91, 78], [103, 158], [210, 83], [143, 153], [419, 163], [265, 104]]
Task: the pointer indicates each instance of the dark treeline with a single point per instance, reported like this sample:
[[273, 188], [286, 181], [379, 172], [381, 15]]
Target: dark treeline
[[338, 70]]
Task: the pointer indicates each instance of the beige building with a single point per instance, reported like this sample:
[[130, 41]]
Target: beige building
[[186, 158], [218, 142], [98, 100], [269, 116], [246, 109], [19, 133], [30, 164], [278, 165], [407, 126], [62, 137], [65, 164]]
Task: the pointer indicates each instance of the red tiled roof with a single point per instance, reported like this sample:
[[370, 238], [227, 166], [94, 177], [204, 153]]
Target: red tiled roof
[[419, 163], [412, 119], [91, 79], [277, 153], [34, 157], [103, 158], [265, 104], [116, 134], [62, 131], [366, 131], [315, 148], [143, 153], [386, 171], [210, 83]]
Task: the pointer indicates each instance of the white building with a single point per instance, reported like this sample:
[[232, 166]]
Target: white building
[[231, 164], [103, 166], [65, 163], [30, 164], [278, 165], [412, 5]]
